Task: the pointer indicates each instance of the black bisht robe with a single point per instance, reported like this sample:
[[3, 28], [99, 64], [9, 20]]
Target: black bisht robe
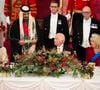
[[16, 48]]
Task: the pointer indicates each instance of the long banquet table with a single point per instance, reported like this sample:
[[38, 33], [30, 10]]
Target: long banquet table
[[65, 82]]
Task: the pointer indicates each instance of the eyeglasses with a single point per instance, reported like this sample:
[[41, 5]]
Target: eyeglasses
[[54, 6], [85, 12]]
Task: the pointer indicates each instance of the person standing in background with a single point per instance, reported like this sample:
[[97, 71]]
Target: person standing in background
[[72, 9], [72, 6], [54, 23], [76, 7], [43, 10], [12, 8], [82, 32]]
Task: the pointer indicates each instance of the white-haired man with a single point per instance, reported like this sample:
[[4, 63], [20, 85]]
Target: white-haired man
[[25, 33], [59, 41]]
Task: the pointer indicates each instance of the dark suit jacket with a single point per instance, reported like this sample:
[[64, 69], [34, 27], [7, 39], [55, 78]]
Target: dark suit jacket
[[77, 37], [66, 48], [61, 28]]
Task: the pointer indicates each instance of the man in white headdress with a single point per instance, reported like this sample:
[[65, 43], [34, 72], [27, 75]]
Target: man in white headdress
[[24, 33]]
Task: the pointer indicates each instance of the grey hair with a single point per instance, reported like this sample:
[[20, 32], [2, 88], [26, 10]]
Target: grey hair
[[62, 37]]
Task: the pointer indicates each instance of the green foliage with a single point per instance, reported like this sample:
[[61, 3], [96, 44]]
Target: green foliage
[[45, 63], [49, 63], [86, 71]]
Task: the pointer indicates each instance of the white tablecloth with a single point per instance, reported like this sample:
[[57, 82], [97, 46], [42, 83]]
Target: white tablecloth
[[64, 82]]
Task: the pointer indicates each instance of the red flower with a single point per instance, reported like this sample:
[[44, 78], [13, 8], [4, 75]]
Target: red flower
[[63, 64], [64, 59], [52, 67], [41, 58]]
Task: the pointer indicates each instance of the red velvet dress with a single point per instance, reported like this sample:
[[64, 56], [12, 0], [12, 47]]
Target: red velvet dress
[[89, 54]]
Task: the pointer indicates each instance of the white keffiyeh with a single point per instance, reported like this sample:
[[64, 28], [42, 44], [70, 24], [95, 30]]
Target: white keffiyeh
[[32, 30]]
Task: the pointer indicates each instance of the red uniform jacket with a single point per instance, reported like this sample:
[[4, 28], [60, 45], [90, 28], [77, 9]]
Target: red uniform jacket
[[72, 5], [95, 7], [12, 7]]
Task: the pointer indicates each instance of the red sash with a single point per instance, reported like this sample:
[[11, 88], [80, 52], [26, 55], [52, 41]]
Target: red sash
[[25, 29]]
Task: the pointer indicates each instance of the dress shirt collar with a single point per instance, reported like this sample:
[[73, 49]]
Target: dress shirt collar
[[54, 15], [87, 21], [60, 49], [61, 46]]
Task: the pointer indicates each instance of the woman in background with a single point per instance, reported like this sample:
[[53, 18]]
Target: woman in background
[[93, 52]]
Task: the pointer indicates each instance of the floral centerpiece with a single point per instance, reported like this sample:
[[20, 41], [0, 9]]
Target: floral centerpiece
[[48, 63]]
